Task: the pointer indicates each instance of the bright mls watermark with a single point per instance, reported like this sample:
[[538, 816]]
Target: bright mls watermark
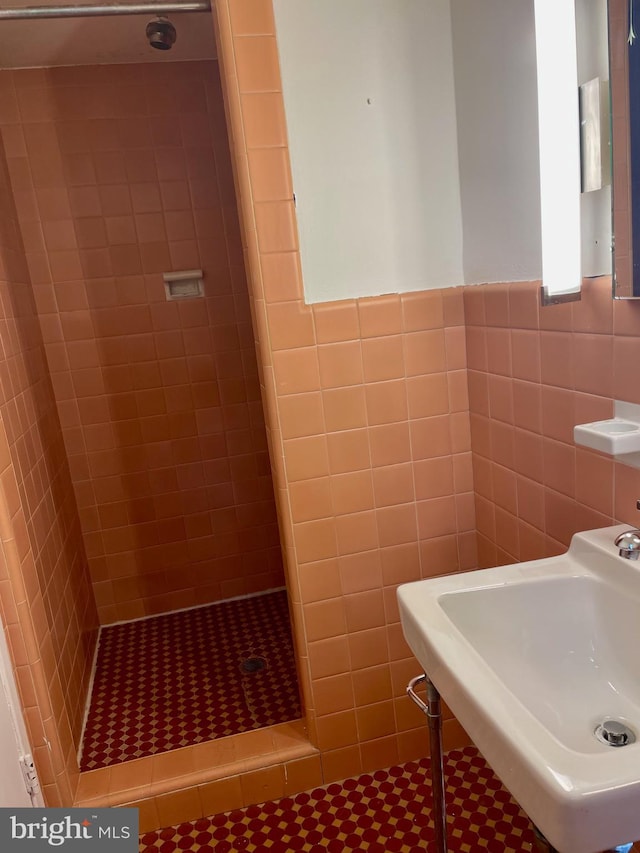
[[69, 830]]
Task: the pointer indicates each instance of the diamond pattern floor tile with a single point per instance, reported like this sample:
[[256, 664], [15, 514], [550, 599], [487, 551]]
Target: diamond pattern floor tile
[[182, 678], [388, 811]]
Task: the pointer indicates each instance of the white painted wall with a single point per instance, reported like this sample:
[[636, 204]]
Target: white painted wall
[[413, 130], [496, 100], [368, 88]]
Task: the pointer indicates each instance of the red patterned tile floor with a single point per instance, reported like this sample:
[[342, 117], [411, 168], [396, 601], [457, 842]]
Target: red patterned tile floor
[[182, 678], [388, 811]]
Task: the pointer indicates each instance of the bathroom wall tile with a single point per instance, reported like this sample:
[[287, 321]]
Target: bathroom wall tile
[[281, 277], [394, 484], [372, 685], [356, 532], [325, 619], [348, 451], [302, 414], [296, 370], [594, 312], [436, 517], [336, 321], [257, 64], [339, 764], [430, 437], [386, 402], [557, 359], [380, 315], [499, 351], [360, 572], [595, 481], [591, 408], [455, 348], [306, 458], [593, 371], [557, 317], [368, 648], [558, 413], [329, 657], [252, 17], [476, 346], [422, 310], [396, 524], [334, 694], [290, 325], [336, 730], [433, 477], [275, 223], [626, 317], [527, 405], [559, 466], [316, 540], [383, 358], [270, 174], [427, 395], [264, 120], [524, 302], [496, 304], [625, 494], [344, 408], [425, 352], [341, 364], [352, 492], [319, 580], [625, 351], [500, 392]]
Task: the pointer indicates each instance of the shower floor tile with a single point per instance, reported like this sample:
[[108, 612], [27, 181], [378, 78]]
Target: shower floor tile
[[381, 812], [182, 678]]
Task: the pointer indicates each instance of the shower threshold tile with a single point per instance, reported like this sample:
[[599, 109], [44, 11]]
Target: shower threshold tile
[[182, 678]]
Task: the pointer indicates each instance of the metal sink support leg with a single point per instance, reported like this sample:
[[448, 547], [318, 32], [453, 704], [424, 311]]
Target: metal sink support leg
[[433, 712]]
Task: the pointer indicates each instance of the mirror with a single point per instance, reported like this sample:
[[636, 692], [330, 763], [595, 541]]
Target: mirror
[[625, 122]]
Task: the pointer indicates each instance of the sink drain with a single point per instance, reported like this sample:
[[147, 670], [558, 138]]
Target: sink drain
[[614, 733]]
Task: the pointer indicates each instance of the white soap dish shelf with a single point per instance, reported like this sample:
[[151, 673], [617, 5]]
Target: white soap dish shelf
[[617, 436]]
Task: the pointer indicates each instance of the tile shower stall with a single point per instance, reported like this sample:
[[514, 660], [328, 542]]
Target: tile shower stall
[[152, 412]]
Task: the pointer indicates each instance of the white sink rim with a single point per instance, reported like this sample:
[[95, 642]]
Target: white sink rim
[[582, 802]]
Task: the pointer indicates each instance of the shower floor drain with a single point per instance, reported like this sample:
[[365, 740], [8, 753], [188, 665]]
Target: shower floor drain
[[253, 664]]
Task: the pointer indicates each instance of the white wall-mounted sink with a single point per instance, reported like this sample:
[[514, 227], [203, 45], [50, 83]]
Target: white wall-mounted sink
[[531, 658]]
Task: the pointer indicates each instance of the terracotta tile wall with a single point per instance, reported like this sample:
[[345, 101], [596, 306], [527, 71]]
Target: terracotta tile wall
[[121, 173], [45, 594], [369, 434], [533, 374]]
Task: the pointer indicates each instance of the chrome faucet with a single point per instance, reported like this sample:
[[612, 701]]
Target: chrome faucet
[[629, 544]]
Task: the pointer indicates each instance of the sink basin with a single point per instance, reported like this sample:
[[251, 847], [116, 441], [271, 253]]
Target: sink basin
[[532, 658]]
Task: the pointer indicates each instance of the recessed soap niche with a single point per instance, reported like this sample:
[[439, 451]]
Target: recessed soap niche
[[618, 436], [184, 284]]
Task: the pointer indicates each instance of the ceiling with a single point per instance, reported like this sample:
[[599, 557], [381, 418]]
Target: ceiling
[[98, 40]]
